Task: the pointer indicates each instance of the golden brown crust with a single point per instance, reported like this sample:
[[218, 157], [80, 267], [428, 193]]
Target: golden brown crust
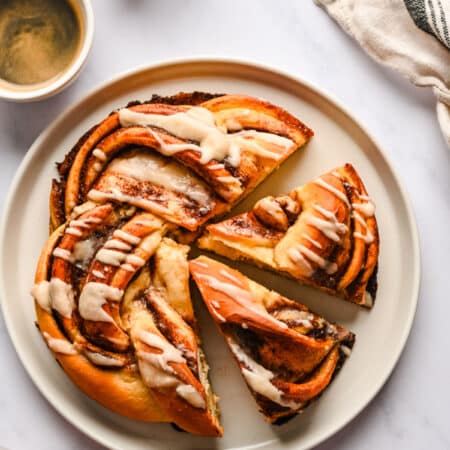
[[107, 301], [288, 355], [123, 391], [290, 125], [256, 120], [323, 233], [98, 355]]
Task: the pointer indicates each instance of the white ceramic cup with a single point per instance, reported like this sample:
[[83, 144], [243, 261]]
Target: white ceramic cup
[[31, 93]]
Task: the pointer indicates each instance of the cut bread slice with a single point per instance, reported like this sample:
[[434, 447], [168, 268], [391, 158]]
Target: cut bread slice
[[287, 354], [186, 158], [323, 234], [113, 305]]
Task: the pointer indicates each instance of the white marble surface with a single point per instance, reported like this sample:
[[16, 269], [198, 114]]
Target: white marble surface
[[412, 410]]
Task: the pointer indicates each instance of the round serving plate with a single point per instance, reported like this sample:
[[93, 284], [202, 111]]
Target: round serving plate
[[380, 333]]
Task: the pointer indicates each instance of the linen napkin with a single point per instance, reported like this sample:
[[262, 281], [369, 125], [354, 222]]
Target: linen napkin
[[410, 36]]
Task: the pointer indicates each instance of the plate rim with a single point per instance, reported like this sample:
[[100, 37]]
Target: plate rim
[[213, 60]]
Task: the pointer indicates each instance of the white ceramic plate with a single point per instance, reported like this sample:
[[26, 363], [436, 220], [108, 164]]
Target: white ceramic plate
[[381, 333]]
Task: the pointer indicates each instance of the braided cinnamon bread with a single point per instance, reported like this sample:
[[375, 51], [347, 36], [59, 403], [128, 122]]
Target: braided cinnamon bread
[[186, 158], [120, 327], [323, 233], [112, 293], [287, 354]]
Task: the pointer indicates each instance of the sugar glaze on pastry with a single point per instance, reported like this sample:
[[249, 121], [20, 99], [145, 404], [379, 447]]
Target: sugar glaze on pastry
[[112, 284], [115, 326], [287, 354], [323, 233], [187, 158]]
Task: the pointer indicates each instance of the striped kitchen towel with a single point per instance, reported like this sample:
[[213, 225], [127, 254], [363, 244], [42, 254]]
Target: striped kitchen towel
[[410, 36]]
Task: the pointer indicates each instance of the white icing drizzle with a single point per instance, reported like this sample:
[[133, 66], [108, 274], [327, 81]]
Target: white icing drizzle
[[322, 183], [331, 227], [116, 195], [59, 345], [55, 294], [328, 266], [128, 267], [367, 237], [170, 149], [144, 223], [63, 254], [157, 372], [216, 305], [169, 353], [270, 205], [127, 237], [367, 209], [187, 353], [99, 154], [98, 274], [135, 260], [110, 257], [155, 169], [299, 318], [229, 276], [114, 251], [191, 395], [114, 340], [79, 223], [102, 360], [241, 296], [368, 299], [73, 231], [359, 218], [313, 241], [229, 180], [234, 154], [202, 264], [62, 297], [94, 220], [217, 166], [259, 378], [254, 147], [98, 166], [115, 244], [41, 293], [281, 141], [80, 209], [219, 316], [244, 325], [296, 257], [233, 125], [304, 323], [198, 124], [83, 251], [347, 351], [93, 296]]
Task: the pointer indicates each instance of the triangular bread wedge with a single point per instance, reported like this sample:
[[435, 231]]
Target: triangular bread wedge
[[113, 305], [323, 234], [286, 353], [186, 158]]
